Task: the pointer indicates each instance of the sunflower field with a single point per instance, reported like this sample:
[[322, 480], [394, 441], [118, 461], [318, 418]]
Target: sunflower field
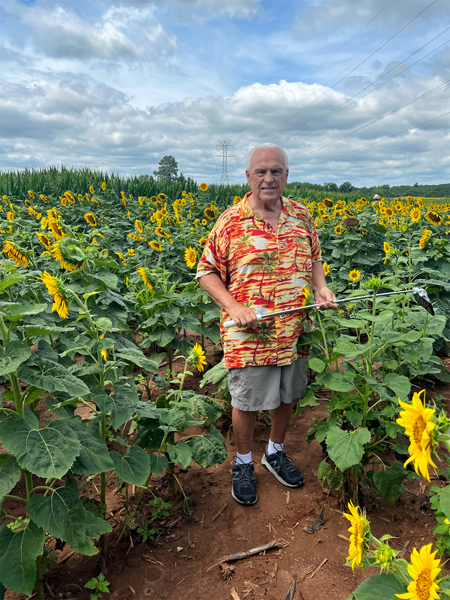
[[97, 289]]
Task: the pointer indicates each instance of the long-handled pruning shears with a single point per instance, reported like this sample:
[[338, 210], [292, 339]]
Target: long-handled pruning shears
[[420, 296]]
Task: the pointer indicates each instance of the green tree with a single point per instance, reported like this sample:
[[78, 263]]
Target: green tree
[[168, 169]]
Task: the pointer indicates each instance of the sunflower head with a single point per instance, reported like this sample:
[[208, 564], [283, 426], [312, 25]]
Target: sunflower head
[[326, 268], [210, 213], [31, 194], [55, 228], [155, 246], [143, 272], [360, 535], [104, 185], [162, 196], [419, 425], [60, 296], [15, 254], [139, 226], [328, 202], [91, 189], [338, 229], [203, 187], [44, 239], [386, 248], [202, 241], [433, 217], [423, 569], [190, 257], [354, 275], [197, 357], [90, 219], [68, 254]]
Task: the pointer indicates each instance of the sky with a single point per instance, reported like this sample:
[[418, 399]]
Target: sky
[[353, 90]]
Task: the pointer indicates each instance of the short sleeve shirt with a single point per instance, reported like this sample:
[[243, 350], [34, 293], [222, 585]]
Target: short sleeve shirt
[[268, 271]]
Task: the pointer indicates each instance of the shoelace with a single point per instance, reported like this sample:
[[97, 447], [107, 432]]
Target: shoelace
[[246, 475], [284, 458]]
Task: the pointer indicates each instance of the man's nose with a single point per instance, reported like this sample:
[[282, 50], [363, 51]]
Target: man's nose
[[268, 176]]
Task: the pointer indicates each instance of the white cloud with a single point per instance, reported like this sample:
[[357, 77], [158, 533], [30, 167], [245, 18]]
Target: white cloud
[[232, 8]]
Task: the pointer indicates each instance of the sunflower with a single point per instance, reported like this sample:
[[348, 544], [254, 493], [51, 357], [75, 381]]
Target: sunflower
[[423, 239], [433, 217], [14, 254], [120, 256], [10, 216], [64, 250], [133, 236], [162, 196], [56, 289], [190, 257], [155, 245], [386, 248], [348, 212], [131, 252], [424, 569], [90, 219], [160, 231], [326, 269], [31, 194], [55, 228], [197, 357], [418, 424], [415, 215], [27, 203], [153, 199], [389, 212], [203, 187], [43, 198], [63, 200], [420, 203], [139, 226], [202, 241], [91, 189], [210, 213], [104, 185], [236, 200], [328, 202], [144, 276], [359, 538], [354, 275], [338, 229], [44, 239]]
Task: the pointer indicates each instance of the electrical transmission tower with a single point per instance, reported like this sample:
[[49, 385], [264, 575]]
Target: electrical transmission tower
[[224, 145]]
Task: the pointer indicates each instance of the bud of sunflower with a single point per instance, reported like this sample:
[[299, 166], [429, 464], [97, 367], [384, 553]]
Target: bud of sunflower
[[374, 284], [384, 555]]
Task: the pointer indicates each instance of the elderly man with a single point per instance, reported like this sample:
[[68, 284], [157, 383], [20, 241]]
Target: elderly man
[[263, 255]]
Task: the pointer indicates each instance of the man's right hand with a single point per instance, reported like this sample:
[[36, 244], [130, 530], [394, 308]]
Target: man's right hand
[[242, 315]]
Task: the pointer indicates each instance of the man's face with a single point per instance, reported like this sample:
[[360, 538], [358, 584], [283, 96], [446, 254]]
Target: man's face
[[267, 176]]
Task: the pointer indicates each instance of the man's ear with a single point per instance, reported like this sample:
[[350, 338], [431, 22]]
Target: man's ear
[[247, 173]]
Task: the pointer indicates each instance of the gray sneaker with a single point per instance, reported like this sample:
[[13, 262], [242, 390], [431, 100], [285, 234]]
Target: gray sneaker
[[243, 489], [281, 466]]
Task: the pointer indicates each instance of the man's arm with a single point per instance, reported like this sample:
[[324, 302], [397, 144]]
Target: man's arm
[[242, 315], [322, 292]]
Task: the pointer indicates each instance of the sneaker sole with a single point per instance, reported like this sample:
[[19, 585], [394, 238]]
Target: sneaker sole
[[240, 501], [265, 463]]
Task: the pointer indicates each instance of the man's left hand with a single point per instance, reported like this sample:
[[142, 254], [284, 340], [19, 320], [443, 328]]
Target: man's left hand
[[325, 297]]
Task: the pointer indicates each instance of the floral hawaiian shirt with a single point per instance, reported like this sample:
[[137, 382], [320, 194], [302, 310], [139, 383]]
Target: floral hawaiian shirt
[[267, 270]]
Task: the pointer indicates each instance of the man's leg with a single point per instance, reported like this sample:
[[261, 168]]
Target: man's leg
[[280, 418], [243, 427]]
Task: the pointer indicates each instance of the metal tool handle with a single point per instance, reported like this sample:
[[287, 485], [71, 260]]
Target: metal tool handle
[[231, 323]]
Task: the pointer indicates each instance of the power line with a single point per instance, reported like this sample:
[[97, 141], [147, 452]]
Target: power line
[[352, 71], [390, 136], [224, 156], [424, 95], [342, 106]]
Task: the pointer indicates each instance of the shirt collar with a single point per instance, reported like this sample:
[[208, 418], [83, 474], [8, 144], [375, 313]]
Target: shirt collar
[[246, 211]]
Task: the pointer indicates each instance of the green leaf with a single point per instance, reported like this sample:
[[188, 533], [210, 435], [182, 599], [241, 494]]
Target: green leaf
[[133, 467], [96, 526], [13, 356], [316, 365], [352, 323], [346, 448], [217, 375], [109, 279], [94, 456], [209, 449], [48, 452], [395, 337], [9, 475], [18, 552], [158, 464], [180, 453], [308, 399], [62, 515], [444, 497], [347, 349], [383, 318], [121, 404], [52, 377], [136, 357], [163, 338], [399, 384], [389, 482], [339, 382], [17, 311], [147, 410], [10, 280], [333, 476], [45, 329], [382, 586], [201, 407]]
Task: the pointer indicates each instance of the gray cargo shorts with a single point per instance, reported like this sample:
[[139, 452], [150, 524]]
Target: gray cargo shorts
[[265, 387]]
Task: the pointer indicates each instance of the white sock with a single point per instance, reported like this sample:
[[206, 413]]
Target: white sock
[[244, 458], [274, 447]]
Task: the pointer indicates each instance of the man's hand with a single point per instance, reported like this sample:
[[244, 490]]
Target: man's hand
[[242, 315], [325, 297]]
